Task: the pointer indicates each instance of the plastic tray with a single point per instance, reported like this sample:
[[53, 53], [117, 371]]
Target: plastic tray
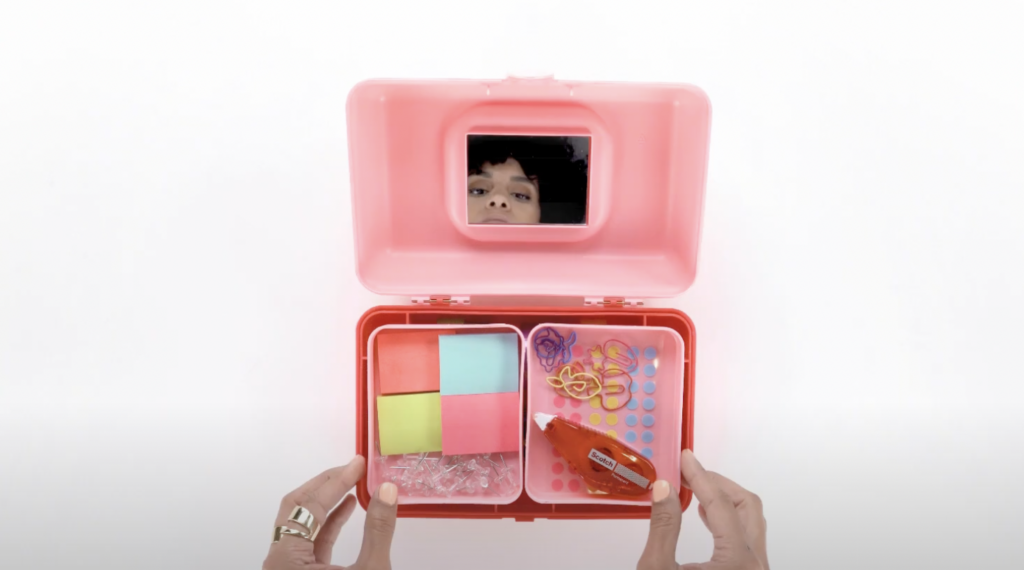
[[376, 465], [657, 380]]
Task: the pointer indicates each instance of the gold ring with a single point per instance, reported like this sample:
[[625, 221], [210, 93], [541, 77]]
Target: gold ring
[[302, 517], [285, 531]]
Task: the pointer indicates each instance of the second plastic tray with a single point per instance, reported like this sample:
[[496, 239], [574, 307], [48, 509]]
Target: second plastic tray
[[649, 422]]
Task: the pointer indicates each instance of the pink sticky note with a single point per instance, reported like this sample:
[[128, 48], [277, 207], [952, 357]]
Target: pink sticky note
[[480, 423], [409, 362]]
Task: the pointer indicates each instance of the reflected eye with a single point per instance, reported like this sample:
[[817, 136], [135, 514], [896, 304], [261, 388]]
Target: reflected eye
[[477, 191], [521, 197]]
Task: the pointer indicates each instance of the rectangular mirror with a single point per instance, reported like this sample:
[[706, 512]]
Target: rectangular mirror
[[527, 179]]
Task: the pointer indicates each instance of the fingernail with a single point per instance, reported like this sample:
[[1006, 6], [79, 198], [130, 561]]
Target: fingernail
[[355, 463], [661, 490], [388, 494], [688, 456]]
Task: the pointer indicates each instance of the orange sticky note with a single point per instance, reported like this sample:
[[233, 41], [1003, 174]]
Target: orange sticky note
[[409, 361]]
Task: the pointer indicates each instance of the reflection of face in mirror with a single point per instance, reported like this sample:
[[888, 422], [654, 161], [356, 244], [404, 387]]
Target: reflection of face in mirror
[[503, 194], [527, 179]]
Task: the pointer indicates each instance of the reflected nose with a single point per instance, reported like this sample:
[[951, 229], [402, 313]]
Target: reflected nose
[[499, 202]]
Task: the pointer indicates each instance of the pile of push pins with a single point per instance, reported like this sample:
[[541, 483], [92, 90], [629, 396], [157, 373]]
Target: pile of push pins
[[437, 475]]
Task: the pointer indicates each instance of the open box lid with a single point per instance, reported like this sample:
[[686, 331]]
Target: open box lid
[[408, 165]]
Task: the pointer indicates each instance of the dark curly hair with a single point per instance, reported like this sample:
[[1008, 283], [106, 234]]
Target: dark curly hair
[[561, 175]]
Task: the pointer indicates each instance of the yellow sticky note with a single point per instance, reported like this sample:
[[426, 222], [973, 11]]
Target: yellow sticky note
[[409, 423]]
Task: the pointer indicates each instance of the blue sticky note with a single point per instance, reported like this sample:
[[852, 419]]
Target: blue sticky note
[[479, 363]]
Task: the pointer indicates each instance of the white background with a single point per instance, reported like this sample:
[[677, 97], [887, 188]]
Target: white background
[[178, 298]]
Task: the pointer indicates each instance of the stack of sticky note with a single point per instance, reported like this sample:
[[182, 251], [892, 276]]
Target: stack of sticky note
[[440, 391], [409, 423], [480, 393], [408, 362]]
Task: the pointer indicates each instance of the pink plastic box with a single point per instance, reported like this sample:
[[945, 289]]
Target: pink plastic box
[[648, 157]]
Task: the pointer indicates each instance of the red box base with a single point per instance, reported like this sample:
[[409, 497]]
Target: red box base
[[524, 318]]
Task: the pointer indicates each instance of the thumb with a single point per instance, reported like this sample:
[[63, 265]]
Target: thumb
[[666, 517], [379, 528]]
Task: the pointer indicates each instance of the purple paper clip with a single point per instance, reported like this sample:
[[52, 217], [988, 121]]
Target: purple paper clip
[[552, 349]]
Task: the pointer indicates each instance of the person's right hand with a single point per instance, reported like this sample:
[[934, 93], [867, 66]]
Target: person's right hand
[[734, 516]]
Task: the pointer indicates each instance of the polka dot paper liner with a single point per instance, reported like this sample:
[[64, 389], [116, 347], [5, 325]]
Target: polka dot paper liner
[[648, 403]]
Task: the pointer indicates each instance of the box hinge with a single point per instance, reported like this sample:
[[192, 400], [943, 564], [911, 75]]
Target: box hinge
[[441, 300], [612, 302]]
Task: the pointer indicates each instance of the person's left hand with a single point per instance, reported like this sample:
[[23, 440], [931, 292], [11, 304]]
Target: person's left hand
[[319, 496]]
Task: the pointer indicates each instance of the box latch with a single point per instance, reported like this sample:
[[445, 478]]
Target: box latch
[[612, 302], [441, 300]]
